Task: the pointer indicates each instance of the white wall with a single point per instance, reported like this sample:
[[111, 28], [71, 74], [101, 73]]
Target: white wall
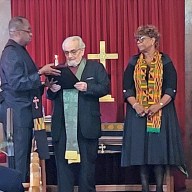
[[5, 16]]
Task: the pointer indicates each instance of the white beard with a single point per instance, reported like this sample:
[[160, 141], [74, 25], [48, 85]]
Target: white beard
[[73, 63]]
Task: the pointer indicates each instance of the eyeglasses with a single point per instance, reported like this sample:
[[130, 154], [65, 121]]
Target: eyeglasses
[[141, 39], [27, 31], [72, 52]]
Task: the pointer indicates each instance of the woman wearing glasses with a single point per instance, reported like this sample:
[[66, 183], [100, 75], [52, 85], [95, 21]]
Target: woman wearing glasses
[[151, 132]]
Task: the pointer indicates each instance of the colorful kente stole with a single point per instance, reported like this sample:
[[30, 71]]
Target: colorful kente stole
[[148, 87]]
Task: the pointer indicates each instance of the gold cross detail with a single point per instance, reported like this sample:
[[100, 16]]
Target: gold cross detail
[[103, 56]]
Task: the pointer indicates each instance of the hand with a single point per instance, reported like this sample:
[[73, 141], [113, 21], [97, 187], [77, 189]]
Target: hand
[[49, 83], [49, 70], [54, 88], [140, 110], [81, 86], [52, 85], [152, 110]]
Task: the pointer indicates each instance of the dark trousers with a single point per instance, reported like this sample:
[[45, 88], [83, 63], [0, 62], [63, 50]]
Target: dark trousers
[[88, 154], [22, 149]]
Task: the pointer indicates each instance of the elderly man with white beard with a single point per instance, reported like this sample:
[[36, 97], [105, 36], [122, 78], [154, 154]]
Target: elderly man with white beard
[[76, 122]]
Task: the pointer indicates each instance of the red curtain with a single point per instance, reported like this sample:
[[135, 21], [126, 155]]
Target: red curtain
[[113, 21]]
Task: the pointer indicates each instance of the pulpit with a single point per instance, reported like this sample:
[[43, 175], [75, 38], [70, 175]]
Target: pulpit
[[110, 176]]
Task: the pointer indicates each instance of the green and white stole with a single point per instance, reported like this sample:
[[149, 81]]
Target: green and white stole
[[70, 98]]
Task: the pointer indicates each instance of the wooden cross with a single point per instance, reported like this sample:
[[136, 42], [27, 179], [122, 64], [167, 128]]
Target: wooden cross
[[36, 100], [103, 56]]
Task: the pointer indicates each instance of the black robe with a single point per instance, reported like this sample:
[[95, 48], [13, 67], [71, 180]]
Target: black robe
[[140, 147]]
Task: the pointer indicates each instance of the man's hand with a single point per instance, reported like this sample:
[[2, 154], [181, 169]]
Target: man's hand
[[49, 83], [81, 86], [49, 70], [52, 85], [54, 88]]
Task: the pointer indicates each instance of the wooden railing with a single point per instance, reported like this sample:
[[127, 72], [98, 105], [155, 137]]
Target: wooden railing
[[37, 175]]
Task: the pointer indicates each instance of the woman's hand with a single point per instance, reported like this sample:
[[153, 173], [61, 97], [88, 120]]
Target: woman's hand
[[139, 110], [153, 109]]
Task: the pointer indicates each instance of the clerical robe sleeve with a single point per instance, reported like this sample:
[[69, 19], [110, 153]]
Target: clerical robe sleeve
[[52, 95], [17, 74]]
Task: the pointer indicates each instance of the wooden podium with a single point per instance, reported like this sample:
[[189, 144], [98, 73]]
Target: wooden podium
[[110, 143]]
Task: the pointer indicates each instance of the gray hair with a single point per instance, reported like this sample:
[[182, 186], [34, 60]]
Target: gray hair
[[16, 23], [74, 38]]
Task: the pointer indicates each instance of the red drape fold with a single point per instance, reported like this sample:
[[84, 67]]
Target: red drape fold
[[109, 20]]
